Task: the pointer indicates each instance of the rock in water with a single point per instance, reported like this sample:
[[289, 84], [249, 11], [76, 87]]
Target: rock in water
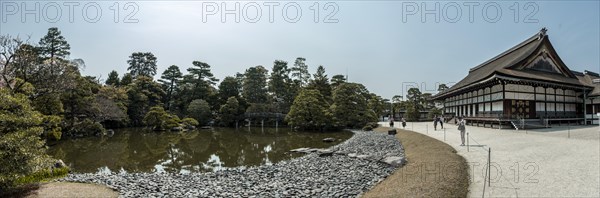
[[300, 150], [176, 129], [329, 140]]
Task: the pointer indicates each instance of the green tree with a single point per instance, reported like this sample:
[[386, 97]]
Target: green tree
[[126, 80], [201, 79], [300, 72], [279, 79], [434, 111], [159, 119], [281, 86], [169, 80], [79, 100], [350, 108], [228, 88], [309, 111], [337, 80], [142, 64], [22, 151], [412, 112], [229, 112], [255, 85], [200, 110], [320, 82], [377, 104], [143, 93], [426, 101], [113, 79], [54, 45], [396, 103], [415, 97], [53, 70], [112, 106]]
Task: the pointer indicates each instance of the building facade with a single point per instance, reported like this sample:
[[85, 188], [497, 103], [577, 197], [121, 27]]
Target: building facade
[[528, 81]]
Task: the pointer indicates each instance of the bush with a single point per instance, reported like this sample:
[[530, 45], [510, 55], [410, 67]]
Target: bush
[[87, 128], [172, 121], [190, 122], [21, 149], [51, 127], [367, 128], [43, 175], [373, 125]]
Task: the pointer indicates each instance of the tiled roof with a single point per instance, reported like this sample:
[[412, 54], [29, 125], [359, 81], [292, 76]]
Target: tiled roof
[[510, 63]]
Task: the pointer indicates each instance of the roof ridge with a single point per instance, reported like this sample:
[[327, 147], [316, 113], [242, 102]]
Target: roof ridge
[[538, 36], [591, 73]]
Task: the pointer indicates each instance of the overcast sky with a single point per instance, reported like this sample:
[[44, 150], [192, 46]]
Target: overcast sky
[[385, 45]]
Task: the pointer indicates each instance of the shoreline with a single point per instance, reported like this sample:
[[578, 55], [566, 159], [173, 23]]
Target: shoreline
[[341, 174]]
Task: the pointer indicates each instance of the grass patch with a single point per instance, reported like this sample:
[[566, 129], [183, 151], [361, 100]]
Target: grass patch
[[26, 184], [433, 170], [43, 176]]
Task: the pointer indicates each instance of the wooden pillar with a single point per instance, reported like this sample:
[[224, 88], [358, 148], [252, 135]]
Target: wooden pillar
[[503, 98], [584, 107], [546, 102], [535, 99], [564, 102]]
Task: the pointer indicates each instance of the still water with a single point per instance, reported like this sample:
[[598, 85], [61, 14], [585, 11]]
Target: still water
[[142, 150]]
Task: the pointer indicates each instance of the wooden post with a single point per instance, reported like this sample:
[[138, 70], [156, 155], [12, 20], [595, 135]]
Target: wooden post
[[489, 165], [444, 134]]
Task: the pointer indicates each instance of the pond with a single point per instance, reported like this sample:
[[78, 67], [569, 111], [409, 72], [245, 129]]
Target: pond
[[142, 150]]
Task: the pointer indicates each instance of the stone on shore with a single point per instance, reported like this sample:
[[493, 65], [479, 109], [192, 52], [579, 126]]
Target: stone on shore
[[312, 175], [394, 161]]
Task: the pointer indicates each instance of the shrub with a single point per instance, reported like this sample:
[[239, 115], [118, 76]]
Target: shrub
[[373, 125], [21, 149], [87, 127], [190, 122], [367, 128], [172, 121], [43, 175]]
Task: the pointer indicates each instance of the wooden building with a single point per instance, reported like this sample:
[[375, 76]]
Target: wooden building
[[527, 83]]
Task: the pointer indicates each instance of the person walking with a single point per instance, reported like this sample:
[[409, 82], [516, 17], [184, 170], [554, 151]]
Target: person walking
[[442, 121], [436, 119], [391, 121], [462, 129], [403, 123]]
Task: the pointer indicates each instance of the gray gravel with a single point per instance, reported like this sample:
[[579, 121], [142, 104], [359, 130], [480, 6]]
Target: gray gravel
[[354, 169]]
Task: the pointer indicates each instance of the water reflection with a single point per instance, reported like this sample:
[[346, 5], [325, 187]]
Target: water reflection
[[140, 150]]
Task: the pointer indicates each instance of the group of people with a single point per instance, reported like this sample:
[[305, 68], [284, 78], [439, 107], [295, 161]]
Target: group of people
[[440, 119], [401, 120]]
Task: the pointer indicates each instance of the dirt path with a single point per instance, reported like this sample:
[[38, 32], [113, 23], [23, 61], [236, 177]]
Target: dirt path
[[65, 189], [562, 161], [433, 170]]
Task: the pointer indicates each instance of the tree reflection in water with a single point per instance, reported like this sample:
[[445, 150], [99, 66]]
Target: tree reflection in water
[[141, 150]]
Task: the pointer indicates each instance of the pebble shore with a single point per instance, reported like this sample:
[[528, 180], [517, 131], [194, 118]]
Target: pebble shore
[[354, 167]]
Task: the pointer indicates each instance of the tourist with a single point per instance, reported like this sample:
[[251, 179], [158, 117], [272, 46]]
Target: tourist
[[391, 121], [442, 122], [403, 123], [435, 121], [461, 128]]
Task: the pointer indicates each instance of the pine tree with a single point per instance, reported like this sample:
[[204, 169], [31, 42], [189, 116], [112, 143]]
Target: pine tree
[[113, 78]]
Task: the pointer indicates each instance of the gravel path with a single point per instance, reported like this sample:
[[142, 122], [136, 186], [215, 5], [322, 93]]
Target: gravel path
[[353, 169], [563, 161]]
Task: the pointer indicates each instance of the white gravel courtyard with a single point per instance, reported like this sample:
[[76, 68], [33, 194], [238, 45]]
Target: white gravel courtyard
[[563, 161]]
